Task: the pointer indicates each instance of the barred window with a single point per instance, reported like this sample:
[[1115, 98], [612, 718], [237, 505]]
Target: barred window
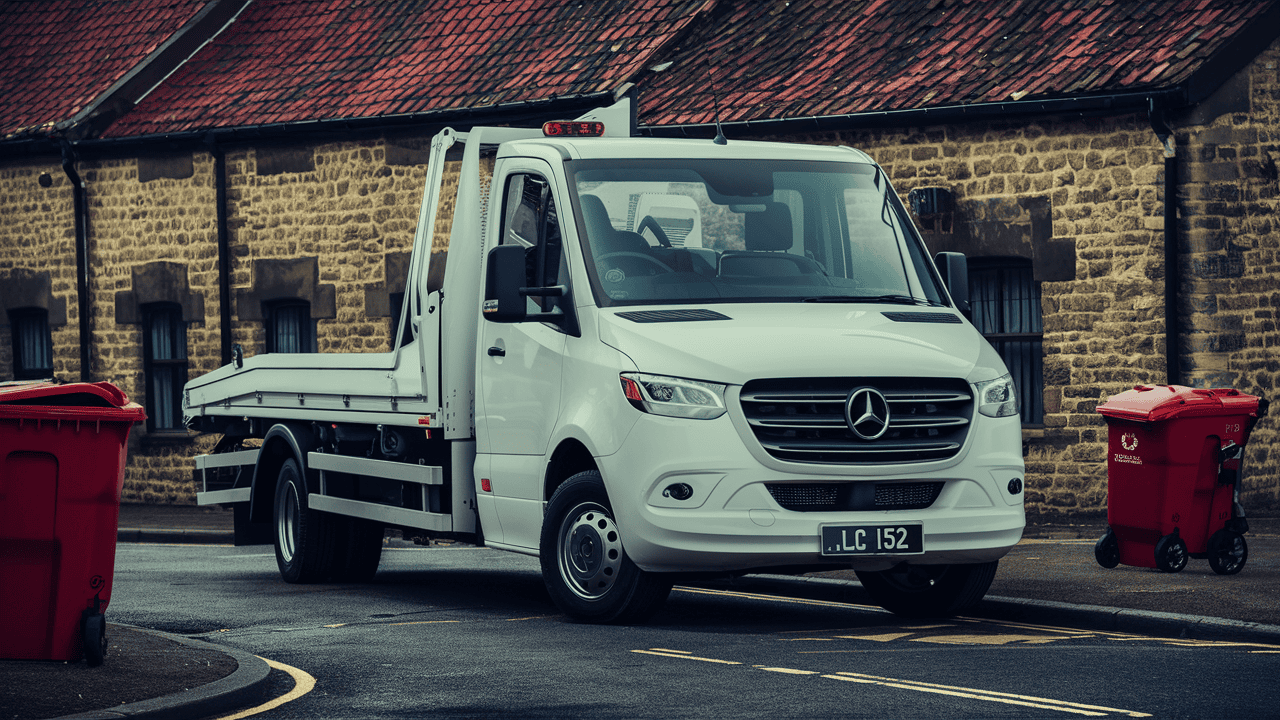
[[290, 328], [32, 344], [1006, 309], [164, 356]]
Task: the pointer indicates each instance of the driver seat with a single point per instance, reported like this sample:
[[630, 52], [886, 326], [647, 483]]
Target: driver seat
[[601, 233]]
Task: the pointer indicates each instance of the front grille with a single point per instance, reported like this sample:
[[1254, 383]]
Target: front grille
[[803, 419], [855, 496]]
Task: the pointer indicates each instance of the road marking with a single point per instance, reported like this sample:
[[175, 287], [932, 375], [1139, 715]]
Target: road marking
[[886, 637], [531, 617], [776, 598], [987, 695], [918, 686], [418, 622], [302, 684], [671, 654], [787, 671], [988, 639]]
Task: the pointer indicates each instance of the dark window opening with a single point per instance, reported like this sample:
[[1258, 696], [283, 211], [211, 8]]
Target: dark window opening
[[164, 340], [290, 328], [1006, 309], [32, 344]]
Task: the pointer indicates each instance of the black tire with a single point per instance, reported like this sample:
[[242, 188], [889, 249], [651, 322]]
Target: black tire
[[305, 539], [1107, 550], [94, 632], [1171, 553], [1228, 552], [586, 571], [929, 591], [359, 548]]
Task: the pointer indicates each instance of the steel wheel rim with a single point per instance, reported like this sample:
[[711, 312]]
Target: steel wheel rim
[[288, 516], [590, 551]]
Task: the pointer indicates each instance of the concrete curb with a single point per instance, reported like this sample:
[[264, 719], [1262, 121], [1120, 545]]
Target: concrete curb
[[177, 536], [1096, 617], [238, 690]]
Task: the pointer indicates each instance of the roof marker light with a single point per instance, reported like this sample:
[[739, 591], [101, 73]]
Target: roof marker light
[[565, 128]]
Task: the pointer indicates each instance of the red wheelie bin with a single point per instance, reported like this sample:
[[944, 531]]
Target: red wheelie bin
[[62, 456], [1173, 472]]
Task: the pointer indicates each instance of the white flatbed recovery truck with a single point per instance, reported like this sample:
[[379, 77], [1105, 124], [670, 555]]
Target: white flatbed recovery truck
[[646, 358]]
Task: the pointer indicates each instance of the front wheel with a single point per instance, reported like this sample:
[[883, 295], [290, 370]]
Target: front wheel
[[1171, 553], [585, 568], [928, 591]]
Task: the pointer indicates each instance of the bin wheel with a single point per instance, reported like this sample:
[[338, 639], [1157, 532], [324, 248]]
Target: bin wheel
[[95, 639], [1171, 553], [1228, 552], [1107, 550]]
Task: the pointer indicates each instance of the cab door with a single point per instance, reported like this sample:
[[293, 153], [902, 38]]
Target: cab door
[[519, 377]]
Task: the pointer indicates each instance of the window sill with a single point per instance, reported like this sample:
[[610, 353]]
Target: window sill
[[167, 437]]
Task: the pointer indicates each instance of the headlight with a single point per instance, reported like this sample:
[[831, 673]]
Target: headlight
[[674, 397], [996, 398]]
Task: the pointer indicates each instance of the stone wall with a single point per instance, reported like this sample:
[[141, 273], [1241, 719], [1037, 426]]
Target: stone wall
[[1101, 261], [333, 223]]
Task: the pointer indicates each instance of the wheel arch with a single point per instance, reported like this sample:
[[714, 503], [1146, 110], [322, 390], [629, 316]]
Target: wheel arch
[[283, 441], [570, 458]]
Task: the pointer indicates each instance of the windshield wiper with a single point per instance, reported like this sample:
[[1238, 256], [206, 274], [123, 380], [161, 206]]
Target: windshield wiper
[[892, 299]]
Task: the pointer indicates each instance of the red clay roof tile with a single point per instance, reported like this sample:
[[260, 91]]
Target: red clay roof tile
[[952, 52], [59, 57]]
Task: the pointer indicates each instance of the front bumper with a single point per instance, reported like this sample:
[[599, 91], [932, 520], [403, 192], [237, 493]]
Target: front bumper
[[730, 521]]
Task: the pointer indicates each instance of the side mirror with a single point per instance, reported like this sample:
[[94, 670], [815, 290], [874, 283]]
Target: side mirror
[[954, 269], [504, 276]]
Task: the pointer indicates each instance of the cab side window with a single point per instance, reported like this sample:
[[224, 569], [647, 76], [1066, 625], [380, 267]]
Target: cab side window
[[529, 219]]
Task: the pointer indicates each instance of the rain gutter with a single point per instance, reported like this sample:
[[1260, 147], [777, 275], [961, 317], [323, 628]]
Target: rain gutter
[[1071, 106], [80, 206]]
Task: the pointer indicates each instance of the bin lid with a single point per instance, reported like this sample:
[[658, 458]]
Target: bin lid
[[1154, 403], [84, 401]]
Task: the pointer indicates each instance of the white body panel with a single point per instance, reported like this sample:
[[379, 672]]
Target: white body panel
[[506, 413]]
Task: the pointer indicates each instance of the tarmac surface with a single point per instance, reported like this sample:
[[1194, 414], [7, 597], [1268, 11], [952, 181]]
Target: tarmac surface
[[1051, 577]]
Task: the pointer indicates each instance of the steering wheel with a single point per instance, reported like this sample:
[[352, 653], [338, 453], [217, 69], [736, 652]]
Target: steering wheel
[[648, 223], [662, 267]]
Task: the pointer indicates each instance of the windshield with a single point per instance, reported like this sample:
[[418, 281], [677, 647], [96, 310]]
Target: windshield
[[741, 231]]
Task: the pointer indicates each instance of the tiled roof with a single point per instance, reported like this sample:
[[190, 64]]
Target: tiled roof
[[807, 58], [286, 61], [61, 55]]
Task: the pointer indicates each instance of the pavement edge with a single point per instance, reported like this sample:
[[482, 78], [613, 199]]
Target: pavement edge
[[238, 690]]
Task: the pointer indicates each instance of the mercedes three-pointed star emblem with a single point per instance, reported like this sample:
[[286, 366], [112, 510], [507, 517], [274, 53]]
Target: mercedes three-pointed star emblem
[[867, 412]]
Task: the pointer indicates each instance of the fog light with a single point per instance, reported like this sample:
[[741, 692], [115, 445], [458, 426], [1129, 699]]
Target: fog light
[[1015, 486], [678, 491]]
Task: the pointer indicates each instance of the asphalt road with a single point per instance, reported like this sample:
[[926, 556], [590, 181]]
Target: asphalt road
[[470, 632]]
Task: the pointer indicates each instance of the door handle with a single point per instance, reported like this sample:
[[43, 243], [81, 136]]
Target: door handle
[[496, 351]]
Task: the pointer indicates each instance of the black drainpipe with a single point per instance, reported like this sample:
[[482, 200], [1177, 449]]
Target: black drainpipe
[[80, 203], [224, 245], [1172, 277]]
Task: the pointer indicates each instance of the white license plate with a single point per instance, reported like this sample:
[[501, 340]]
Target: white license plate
[[905, 539]]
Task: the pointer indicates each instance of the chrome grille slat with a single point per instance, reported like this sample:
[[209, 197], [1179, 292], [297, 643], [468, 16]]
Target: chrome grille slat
[[803, 419]]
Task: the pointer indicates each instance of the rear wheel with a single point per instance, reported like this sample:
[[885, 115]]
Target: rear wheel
[[360, 549], [1107, 550], [923, 591], [94, 633], [585, 568], [1228, 552], [305, 539]]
